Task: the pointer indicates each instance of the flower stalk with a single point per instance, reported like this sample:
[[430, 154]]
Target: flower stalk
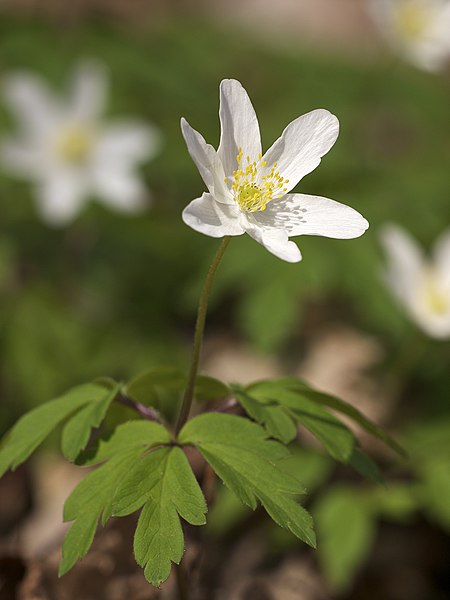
[[198, 336]]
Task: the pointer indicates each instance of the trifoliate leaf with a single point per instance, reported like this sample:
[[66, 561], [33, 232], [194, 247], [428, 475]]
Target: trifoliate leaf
[[246, 461], [92, 498], [346, 530], [302, 388], [35, 426], [271, 415], [162, 482], [334, 435], [77, 431]]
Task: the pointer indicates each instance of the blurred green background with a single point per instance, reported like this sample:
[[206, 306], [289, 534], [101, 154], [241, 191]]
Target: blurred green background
[[114, 295]]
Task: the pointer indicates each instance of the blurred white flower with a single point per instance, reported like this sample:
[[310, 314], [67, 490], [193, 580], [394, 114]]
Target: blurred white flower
[[248, 191], [421, 285], [69, 152], [418, 29]]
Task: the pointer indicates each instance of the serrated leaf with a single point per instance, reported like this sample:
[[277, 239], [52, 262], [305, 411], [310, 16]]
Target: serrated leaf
[[77, 431], [333, 434], [246, 461], [31, 429], [271, 415], [92, 498], [132, 433], [336, 404], [365, 466], [162, 482], [346, 530]]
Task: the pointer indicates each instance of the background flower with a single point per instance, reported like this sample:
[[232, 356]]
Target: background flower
[[419, 29], [421, 285], [67, 150]]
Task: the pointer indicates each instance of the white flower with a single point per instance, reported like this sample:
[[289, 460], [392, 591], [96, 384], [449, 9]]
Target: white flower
[[418, 29], [421, 285], [66, 149], [248, 192]]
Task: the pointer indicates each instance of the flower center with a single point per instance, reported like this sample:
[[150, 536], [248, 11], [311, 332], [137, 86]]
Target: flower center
[[435, 296], [253, 185], [411, 19], [74, 144]]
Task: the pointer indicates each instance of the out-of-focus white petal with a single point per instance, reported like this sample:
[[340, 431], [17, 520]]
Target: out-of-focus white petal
[[89, 91], [21, 158], [29, 99], [212, 218], [61, 196], [301, 214], [127, 142], [274, 240], [441, 257], [239, 125], [405, 262], [302, 144], [120, 189], [208, 163]]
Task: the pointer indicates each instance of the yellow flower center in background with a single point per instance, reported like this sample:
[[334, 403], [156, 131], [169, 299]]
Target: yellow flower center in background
[[436, 298], [411, 19], [251, 190], [74, 144]]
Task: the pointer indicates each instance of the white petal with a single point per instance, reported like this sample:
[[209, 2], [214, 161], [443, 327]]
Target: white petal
[[300, 214], [61, 197], [212, 218], [89, 91], [302, 144], [208, 163], [274, 240], [405, 263], [239, 125], [121, 190], [21, 158], [34, 106], [126, 143], [441, 256]]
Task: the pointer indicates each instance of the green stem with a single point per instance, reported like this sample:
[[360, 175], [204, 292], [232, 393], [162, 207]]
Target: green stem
[[198, 336]]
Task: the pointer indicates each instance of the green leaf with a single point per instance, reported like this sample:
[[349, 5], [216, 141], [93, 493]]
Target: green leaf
[[271, 415], [92, 498], [301, 388], [142, 387], [31, 429], [77, 431], [365, 466], [164, 484], [333, 434], [346, 530], [132, 433], [247, 462], [209, 388]]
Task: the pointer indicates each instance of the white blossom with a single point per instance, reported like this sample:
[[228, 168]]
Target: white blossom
[[68, 151], [248, 192], [421, 285], [417, 29]]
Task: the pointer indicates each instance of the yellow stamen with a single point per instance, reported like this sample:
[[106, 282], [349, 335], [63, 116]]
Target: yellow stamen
[[74, 144], [411, 19], [253, 191]]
